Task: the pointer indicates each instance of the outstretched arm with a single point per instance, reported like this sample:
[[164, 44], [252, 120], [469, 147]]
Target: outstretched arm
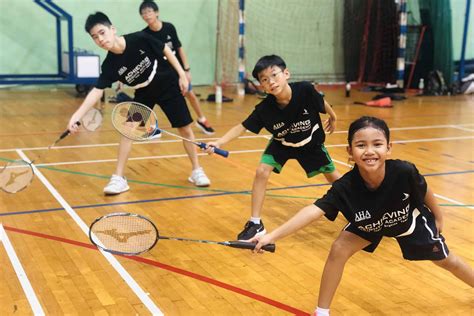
[[233, 133], [184, 59], [305, 216]]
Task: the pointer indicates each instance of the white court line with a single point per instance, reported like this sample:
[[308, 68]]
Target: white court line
[[265, 136], [234, 152], [21, 274], [112, 260]]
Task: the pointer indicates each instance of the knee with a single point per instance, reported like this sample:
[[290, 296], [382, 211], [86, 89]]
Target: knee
[[449, 263], [186, 132], [339, 251], [262, 173]]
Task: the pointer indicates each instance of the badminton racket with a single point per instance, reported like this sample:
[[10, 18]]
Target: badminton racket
[[17, 175], [132, 234], [138, 122]]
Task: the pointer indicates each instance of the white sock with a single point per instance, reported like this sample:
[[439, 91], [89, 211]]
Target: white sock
[[322, 311], [255, 220], [202, 119]]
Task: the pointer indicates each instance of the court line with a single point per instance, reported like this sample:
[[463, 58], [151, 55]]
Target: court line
[[202, 278], [222, 193], [21, 274], [231, 152], [265, 136], [150, 305]]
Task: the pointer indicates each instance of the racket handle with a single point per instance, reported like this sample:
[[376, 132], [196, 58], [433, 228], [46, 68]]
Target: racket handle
[[67, 132], [250, 245], [221, 152]]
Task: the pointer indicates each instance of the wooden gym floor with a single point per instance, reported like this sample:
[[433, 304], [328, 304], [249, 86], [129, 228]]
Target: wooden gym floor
[[46, 224]]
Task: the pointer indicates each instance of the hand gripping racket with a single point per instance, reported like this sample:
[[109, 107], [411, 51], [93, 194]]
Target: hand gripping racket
[[16, 175], [138, 122], [132, 234]]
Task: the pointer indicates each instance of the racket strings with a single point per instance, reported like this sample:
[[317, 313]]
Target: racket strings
[[134, 120], [15, 176], [124, 234]]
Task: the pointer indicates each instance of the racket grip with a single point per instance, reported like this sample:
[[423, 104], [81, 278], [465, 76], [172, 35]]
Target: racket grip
[[221, 152], [67, 132], [250, 245]]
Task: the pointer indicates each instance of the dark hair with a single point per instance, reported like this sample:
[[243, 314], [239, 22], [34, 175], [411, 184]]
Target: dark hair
[[96, 18], [148, 4], [366, 121], [268, 61]]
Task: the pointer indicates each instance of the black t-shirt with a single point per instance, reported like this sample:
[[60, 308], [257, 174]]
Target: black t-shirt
[[143, 55], [168, 35], [386, 211], [295, 125]]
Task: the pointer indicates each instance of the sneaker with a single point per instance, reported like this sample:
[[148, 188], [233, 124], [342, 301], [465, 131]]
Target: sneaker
[[251, 230], [205, 127], [199, 178], [116, 185], [156, 134]]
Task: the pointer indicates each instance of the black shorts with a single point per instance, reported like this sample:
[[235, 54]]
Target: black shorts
[[424, 243], [314, 159], [169, 98]]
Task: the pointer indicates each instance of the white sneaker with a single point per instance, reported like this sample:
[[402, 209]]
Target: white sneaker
[[199, 178], [117, 185]]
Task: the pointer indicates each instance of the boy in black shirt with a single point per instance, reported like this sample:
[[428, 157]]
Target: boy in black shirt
[[166, 32], [379, 197], [291, 114], [137, 60]]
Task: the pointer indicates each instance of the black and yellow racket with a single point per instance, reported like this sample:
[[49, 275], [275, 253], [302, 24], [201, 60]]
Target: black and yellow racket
[[17, 175], [138, 122], [132, 234]]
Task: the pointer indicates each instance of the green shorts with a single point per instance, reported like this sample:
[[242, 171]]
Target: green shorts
[[313, 158]]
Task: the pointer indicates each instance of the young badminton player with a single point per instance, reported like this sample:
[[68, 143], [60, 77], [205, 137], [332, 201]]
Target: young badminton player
[[379, 197], [166, 32], [291, 114], [137, 60]]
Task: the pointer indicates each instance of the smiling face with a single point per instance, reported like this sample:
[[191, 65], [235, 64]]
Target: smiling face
[[369, 149], [104, 36], [274, 79]]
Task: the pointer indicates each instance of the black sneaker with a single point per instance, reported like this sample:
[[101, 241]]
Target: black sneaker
[[250, 230], [205, 127]]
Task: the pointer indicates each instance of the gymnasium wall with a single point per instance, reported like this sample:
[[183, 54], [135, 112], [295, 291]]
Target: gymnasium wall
[[307, 33]]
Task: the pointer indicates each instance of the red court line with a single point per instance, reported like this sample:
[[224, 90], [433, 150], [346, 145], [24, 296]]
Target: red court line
[[163, 266]]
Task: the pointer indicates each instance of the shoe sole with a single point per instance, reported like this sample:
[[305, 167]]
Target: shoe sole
[[116, 193], [200, 186], [263, 232], [204, 130]]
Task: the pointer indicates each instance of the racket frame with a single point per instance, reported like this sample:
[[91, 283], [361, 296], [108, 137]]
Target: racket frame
[[116, 110], [30, 163], [234, 244], [91, 233]]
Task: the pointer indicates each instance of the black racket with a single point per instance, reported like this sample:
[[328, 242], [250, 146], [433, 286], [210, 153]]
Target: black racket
[[138, 122], [132, 234], [17, 175]]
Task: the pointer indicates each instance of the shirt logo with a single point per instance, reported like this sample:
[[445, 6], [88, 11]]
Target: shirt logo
[[168, 37], [122, 70], [305, 112], [406, 196], [278, 125], [141, 52], [362, 215]]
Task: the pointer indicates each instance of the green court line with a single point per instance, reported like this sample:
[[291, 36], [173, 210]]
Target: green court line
[[245, 192]]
